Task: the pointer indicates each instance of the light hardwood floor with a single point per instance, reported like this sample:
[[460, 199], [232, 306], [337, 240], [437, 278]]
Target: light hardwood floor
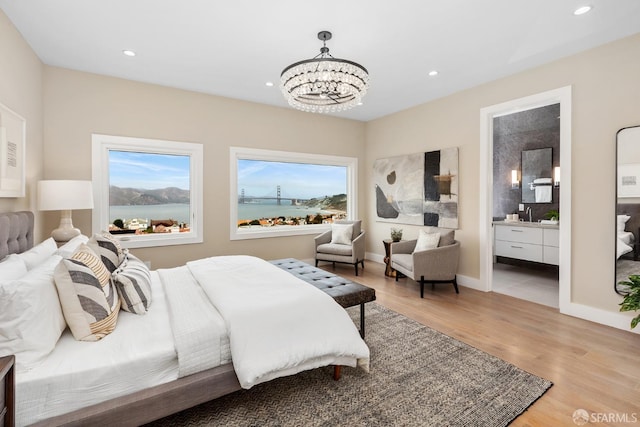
[[593, 367]]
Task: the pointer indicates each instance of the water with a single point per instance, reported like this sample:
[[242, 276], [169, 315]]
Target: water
[[177, 211], [250, 211], [180, 212]]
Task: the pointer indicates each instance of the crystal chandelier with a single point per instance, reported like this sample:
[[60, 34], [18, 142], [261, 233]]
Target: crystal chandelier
[[324, 84]]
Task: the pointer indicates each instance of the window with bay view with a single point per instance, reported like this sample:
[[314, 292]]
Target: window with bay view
[[282, 193], [149, 190]]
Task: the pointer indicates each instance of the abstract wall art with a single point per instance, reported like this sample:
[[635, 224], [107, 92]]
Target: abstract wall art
[[12, 153], [420, 189]]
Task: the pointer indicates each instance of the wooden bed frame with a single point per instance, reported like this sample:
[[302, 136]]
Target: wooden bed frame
[[150, 404]]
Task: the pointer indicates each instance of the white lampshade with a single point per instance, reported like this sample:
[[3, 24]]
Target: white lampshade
[[58, 195], [65, 196]]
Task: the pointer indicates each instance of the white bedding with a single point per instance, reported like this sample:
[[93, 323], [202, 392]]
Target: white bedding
[[139, 354], [272, 319]]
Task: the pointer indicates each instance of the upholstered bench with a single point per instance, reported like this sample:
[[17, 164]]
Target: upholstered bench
[[346, 292]]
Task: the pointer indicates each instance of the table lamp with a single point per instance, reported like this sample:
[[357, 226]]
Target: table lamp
[[65, 196]]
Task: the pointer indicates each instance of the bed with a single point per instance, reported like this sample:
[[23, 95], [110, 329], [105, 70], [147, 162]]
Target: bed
[[149, 366]]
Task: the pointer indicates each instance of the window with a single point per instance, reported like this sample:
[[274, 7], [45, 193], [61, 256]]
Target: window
[[148, 192], [276, 193]]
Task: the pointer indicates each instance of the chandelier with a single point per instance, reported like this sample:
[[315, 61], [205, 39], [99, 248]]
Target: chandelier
[[324, 84]]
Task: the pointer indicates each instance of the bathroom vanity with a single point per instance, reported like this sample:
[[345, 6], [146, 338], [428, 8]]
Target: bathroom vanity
[[530, 241]]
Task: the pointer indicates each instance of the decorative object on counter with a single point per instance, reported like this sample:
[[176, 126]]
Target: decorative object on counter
[[512, 218], [65, 196], [396, 234], [552, 215], [631, 297]]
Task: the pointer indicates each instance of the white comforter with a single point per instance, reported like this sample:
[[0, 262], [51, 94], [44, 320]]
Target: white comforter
[[278, 325]]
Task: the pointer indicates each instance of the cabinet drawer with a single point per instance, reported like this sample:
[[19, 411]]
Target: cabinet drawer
[[551, 237], [526, 251], [551, 255], [519, 234]]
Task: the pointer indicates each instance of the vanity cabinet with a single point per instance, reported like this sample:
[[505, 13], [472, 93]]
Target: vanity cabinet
[[527, 241]]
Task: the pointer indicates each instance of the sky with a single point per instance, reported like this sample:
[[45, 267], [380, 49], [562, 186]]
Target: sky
[[260, 178], [148, 171]]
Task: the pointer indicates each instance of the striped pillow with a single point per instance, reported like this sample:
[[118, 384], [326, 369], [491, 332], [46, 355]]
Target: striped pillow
[[109, 249], [133, 281], [90, 303]]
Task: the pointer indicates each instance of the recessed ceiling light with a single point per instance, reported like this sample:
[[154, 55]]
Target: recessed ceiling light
[[129, 52], [433, 73], [582, 10], [269, 84]]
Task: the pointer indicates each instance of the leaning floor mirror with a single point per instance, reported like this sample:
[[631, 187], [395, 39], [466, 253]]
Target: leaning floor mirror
[[627, 205]]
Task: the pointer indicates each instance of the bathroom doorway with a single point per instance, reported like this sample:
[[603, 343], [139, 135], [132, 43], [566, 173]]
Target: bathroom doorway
[[513, 275], [526, 152]]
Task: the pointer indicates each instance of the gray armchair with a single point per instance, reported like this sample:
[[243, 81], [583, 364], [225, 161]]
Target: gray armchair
[[438, 265], [352, 253]]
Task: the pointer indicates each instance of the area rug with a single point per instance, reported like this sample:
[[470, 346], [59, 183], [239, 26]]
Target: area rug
[[418, 377]]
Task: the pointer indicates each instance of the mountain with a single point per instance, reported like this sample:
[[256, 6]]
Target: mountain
[[335, 202], [134, 196]]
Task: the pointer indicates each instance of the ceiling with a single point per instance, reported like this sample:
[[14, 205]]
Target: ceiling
[[233, 48]]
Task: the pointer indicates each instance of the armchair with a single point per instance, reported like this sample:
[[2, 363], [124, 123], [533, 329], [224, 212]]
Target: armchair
[[437, 265], [329, 249]]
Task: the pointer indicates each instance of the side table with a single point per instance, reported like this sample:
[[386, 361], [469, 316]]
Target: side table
[[7, 387], [388, 271]]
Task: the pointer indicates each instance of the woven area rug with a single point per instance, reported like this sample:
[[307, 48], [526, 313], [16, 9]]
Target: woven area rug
[[418, 377]]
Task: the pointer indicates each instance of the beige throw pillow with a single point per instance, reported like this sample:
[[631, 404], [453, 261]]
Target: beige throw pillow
[[427, 241], [341, 233], [89, 302]]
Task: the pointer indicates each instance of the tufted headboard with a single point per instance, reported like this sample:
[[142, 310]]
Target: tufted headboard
[[16, 232]]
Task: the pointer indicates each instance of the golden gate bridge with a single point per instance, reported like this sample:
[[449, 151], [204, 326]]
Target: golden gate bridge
[[278, 197]]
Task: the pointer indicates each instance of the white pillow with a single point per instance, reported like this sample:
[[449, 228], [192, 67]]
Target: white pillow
[[427, 241], [12, 267], [341, 233], [31, 320], [622, 248], [39, 253], [622, 221], [66, 250]]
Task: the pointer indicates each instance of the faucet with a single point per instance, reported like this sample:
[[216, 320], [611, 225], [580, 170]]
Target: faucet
[[528, 211]]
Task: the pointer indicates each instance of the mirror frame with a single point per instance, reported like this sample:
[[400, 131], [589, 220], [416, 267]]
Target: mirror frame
[[619, 182]]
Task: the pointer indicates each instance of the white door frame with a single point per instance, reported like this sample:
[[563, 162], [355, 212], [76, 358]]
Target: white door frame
[[562, 96]]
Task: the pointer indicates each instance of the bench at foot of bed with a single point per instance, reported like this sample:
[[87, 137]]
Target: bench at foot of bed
[[346, 292]]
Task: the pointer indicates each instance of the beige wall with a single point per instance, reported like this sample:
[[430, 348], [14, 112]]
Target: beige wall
[[606, 97], [78, 104], [21, 91]]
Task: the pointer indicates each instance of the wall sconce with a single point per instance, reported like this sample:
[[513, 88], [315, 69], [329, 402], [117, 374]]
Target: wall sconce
[[556, 176], [65, 196], [515, 183]]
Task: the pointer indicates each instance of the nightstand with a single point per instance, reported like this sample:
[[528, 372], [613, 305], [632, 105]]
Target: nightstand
[[7, 398]]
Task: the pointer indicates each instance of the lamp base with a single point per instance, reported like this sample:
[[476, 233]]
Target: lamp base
[[65, 231]]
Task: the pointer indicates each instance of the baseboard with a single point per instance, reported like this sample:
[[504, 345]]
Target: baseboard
[[470, 282], [614, 319]]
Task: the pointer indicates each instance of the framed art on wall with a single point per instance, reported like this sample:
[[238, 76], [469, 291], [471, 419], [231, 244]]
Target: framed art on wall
[[12, 153], [420, 189]]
